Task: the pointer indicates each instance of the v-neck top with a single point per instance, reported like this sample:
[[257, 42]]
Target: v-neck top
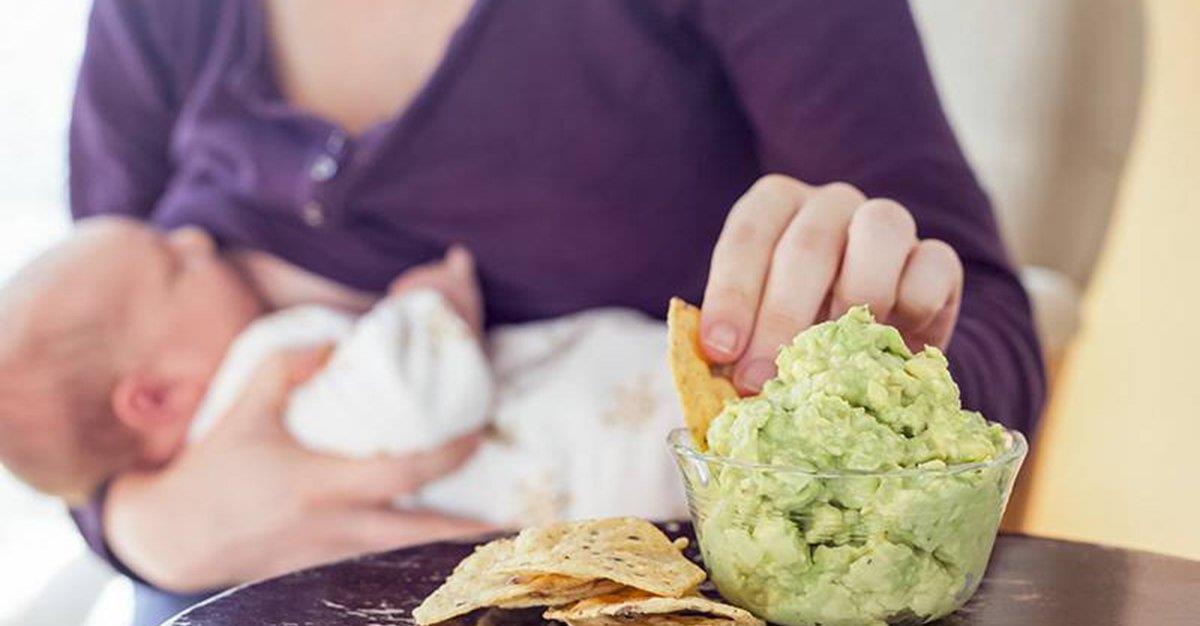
[[586, 151]]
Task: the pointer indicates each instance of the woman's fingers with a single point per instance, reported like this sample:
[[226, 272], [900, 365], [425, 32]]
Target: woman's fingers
[[381, 479], [928, 296], [741, 260], [881, 237], [803, 266], [791, 255]]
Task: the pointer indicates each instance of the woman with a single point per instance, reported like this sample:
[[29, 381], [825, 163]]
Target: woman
[[588, 153]]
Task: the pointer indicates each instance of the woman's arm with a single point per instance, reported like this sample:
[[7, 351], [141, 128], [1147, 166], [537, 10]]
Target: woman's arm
[[126, 96], [840, 91], [183, 527], [121, 118]]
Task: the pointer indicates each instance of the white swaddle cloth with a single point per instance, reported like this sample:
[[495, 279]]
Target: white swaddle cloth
[[580, 410], [407, 376], [583, 407]]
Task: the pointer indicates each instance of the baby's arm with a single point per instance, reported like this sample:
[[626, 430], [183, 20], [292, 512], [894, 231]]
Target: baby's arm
[[410, 376]]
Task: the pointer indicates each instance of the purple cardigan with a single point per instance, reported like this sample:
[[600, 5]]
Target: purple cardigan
[[586, 151]]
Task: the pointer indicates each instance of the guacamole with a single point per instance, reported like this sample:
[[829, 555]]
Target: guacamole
[[820, 540]]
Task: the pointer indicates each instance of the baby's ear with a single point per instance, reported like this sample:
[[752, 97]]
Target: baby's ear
[[139, 401], [158, 409]]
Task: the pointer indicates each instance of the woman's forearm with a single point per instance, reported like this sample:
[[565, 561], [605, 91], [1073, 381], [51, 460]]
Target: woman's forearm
[[849, 97], [994, 354]]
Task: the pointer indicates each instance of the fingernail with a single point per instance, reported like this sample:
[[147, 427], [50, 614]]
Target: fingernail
[[721, 337], [754, 374]]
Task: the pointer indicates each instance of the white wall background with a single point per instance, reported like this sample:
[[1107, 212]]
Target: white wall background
[[42, 559]]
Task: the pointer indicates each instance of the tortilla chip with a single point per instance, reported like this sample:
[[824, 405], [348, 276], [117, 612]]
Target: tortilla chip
[[499, 617], [633, 606], [672, 619], [555, 590], [477, 583], [702, 395], [626, 550]]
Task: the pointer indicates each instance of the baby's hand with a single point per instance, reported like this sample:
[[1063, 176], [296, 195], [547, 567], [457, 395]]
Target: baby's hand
[[454, 278]]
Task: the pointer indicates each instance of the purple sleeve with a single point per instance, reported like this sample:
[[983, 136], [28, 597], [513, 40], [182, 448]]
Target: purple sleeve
[[120, 122], [841, 91], [122, 114], [89, 519]]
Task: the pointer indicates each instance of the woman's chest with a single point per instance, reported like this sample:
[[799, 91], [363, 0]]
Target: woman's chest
[[574, 147], [357, 63]]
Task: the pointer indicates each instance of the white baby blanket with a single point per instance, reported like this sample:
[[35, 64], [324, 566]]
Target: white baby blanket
[[579, 406], [406, 376]]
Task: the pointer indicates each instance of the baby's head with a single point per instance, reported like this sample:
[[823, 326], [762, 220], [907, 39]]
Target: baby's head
[[107, 344]]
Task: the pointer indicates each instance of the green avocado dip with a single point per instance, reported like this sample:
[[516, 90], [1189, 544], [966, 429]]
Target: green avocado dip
[[854, 489]]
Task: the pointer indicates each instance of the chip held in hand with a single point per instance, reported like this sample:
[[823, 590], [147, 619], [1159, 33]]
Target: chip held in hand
[[702, 394]]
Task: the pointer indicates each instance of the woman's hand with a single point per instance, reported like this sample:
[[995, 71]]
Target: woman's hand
[[248, 502], [791, 255]]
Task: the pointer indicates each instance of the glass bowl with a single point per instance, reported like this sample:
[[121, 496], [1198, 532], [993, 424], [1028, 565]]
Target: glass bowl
[[800, 547]]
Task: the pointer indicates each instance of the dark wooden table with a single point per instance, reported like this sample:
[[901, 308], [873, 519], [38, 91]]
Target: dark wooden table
[[1030, 582]]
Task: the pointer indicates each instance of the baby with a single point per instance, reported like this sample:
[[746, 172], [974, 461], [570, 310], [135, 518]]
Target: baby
[[121, 343]]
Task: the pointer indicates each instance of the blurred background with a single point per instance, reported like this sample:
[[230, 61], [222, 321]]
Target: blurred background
[[1081, 118]]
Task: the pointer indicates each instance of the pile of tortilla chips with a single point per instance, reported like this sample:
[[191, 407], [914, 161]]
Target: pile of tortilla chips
[[702, 394], [590, 573]]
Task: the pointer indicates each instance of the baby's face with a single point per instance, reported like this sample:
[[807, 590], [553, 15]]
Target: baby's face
[[120, 322], [185, 299], [183, 305]]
